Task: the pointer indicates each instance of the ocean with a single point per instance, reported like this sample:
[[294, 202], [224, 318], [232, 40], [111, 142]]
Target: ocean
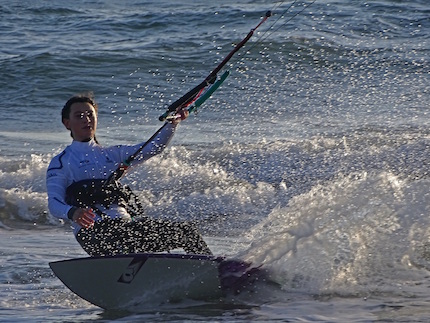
[[312, 159]]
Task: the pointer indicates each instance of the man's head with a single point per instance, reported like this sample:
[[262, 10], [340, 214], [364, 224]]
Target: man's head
[[79, 115]]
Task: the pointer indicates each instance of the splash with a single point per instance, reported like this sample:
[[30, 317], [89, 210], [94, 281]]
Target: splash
[[357, 234]]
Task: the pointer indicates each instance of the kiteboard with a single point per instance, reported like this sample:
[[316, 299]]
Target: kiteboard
[[127, 281]]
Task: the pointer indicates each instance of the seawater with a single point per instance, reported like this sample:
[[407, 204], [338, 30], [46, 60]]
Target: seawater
[[312, 159]]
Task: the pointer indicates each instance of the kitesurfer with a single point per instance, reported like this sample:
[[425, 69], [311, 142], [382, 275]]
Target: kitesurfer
[[104, 221]]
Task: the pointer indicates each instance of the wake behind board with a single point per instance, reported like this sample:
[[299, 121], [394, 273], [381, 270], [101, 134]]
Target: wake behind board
[[126, 281]]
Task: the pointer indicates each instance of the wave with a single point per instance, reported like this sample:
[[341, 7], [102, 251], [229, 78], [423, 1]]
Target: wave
[[359, 234], [232, 185]]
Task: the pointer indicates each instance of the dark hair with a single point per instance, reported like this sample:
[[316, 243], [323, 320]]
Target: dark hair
[[65, 112]]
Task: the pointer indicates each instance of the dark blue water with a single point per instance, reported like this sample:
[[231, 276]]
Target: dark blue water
[[311, 159]]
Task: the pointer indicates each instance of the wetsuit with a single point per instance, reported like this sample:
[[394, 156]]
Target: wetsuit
[[114, 231]]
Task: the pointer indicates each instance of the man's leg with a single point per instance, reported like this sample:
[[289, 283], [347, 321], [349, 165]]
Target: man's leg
[[155, 235]]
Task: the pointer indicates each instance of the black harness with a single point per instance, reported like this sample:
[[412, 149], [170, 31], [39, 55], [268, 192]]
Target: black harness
[[89, 193]]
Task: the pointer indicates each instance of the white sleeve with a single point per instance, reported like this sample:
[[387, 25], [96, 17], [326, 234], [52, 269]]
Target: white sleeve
[[56, 183], [156, 145]]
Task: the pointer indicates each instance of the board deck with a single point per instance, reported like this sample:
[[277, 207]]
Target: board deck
[[125, 281]]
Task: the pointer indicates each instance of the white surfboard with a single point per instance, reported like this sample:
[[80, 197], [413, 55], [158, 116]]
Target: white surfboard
[[126, 281]]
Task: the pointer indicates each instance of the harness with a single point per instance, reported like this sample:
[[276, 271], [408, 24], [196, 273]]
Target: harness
[[89, 193]]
